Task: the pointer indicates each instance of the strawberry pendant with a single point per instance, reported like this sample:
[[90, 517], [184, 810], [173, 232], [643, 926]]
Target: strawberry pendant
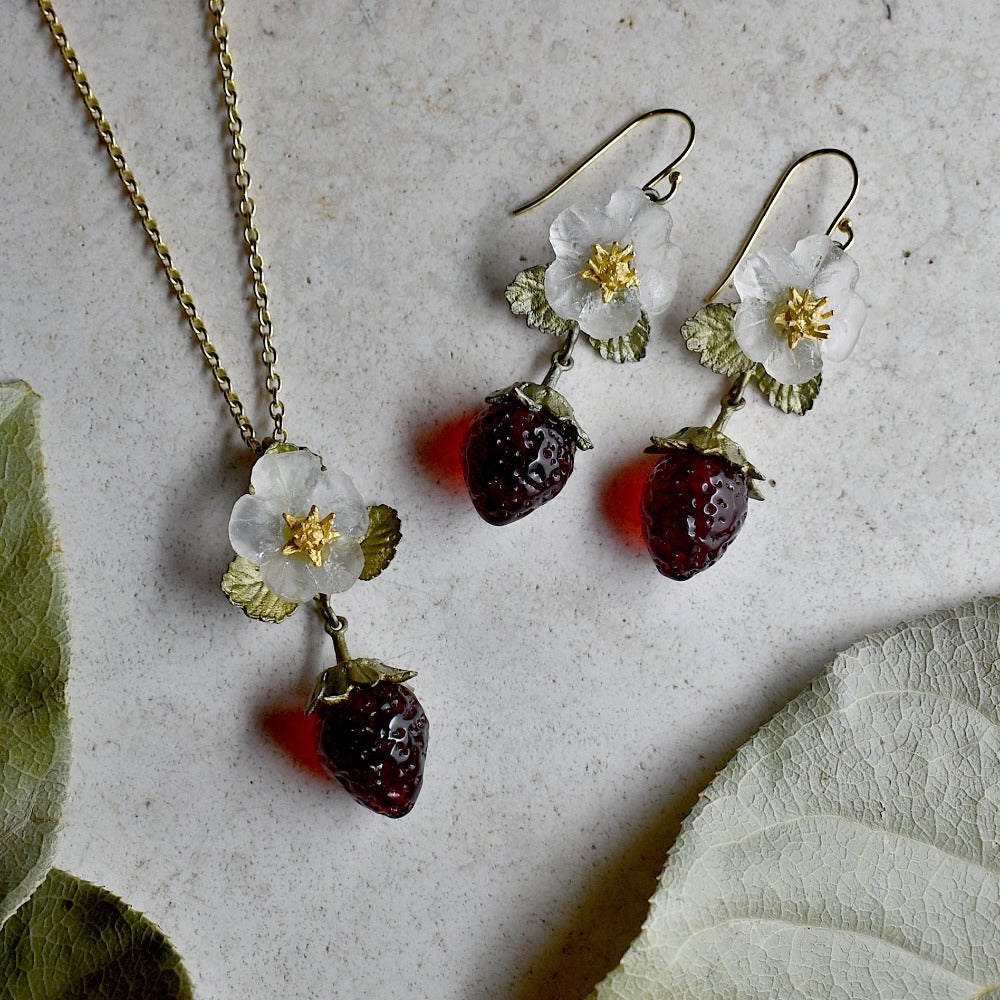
[[694, 501], [519, 451], [373, 732]]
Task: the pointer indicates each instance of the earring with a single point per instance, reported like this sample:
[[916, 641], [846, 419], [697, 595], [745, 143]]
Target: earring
[[614, 268], [796, 309]]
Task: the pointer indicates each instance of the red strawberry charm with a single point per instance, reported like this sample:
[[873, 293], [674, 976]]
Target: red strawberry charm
[[372, 733], [519, 451], [694, 501], [373, 742]]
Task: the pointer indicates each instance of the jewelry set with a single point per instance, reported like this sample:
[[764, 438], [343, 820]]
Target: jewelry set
[[302, 531]]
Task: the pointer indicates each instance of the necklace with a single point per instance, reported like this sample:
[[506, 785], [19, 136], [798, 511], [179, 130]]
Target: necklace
[[302, 531]]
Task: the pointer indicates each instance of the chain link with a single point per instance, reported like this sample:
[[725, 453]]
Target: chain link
[[246, 209]]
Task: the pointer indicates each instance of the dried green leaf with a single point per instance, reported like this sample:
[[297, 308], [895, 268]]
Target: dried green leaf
[[850, 848], [34, 656], [526, 295], [73, 940], [797, 399], [631, 347], [243, 585], [379, 543], [710, 333]]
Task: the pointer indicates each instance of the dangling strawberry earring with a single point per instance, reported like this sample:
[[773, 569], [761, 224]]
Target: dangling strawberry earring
[[614, 268], [797, 309]]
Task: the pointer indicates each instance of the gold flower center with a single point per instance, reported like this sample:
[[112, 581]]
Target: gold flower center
[[801, 315], [611, 268], [308, 535]]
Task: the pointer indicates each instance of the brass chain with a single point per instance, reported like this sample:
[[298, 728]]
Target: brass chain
[[246, 209]]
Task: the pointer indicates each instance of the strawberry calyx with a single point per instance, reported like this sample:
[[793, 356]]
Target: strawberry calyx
[[536, 397], [710, 441], [335, 683]]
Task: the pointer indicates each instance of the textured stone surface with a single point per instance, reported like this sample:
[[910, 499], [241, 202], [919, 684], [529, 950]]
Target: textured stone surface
[[388, 147]]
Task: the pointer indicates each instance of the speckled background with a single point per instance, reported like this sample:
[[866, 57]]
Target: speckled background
[[578, 700]]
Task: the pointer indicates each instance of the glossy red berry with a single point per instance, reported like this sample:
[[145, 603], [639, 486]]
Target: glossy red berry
[[515, 458], [373, 742], [693, 505]]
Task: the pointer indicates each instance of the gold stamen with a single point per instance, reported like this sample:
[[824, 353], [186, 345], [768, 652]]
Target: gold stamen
[[308, 535], [801, 315], [611, 268]]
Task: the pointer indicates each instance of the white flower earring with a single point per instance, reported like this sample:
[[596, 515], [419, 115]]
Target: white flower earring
[[797, 309], [615, 267]]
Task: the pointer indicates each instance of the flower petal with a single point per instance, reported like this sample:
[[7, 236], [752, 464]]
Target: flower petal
[[659, 275], [754, 330], [792, 367], [605, 320], [295, 578], [290, 577], [254, 528], [837, 274], [565, 291], [284, 480], [810, 256], [335, 493], [576, 229], [845, 327], [630, 210], [341, 567], [767, 274]]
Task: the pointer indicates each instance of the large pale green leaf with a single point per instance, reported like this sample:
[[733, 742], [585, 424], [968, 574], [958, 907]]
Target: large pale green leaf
[[243, 585], [849, 852], [75, 941], [34, 656]]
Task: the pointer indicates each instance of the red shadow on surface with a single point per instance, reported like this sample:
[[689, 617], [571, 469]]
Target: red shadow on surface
[[621, 496], [440, 451], [294, 733]]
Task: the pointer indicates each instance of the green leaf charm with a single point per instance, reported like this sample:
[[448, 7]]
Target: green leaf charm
[[631, 347], [75, 940], [709, 333], [850, 848], [244, 587], [337, 682], [526, 295], [379, 544], [34, 657], [797, 399]]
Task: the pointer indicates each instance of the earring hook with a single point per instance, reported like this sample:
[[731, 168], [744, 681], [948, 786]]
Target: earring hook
[[840, 221], [668, 172]]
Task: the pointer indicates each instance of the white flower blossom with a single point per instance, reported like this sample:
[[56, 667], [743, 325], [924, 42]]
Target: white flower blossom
[[612, 264], [798, 309], [302, 525]]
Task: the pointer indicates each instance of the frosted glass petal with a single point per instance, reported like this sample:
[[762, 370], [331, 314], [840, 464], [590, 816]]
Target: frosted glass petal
[[254, 529], [836, 276], [793, 367], [575, 231], [284, 480], [659, 274], [565, 290], [754, 331], [767, 274], [845, 327], [335, 493], [341, 567], [616, 318], [810, 255]]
